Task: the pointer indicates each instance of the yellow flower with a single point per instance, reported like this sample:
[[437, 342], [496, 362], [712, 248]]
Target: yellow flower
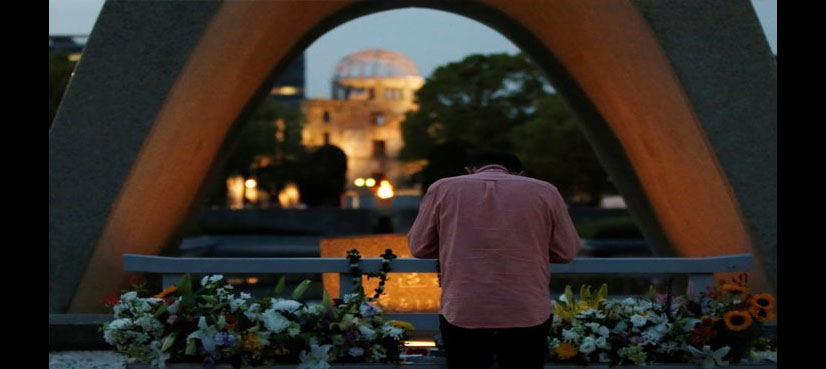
[[761, 315], [566, 351], [734, 288], [252, 344], [763, 301], [402, 324], [737, 320]]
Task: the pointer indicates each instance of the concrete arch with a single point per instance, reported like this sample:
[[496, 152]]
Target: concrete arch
[[161, 84]]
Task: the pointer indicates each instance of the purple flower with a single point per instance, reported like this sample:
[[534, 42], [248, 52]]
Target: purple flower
[[225, 339], [353, 336], [368, 310], [171, 320], [637, 340]]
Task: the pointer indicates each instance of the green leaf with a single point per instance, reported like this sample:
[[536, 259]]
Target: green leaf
[[325, 301], [585, 293], [168, 341], [190, 347], [299, 290], [569, 296], [602, 294], [185, 289], [160, 311], [279, 288]]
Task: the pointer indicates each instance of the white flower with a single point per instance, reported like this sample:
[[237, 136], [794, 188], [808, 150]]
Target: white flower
[[389, 330], [570, 335], [368, 310], [588, 345], [621, 326], [593, 326], [602, 343], [377, 352], [367, 332], [709, 357], [294, 329], [317, 357], [285, 305], [758, 356], [205, 334], [603, 331], [253, 313], [350, 297], [159, 357], [355, 351], [689, 324], [173, 309], [211, 279], [629, 301], [604, 358], [312, 310], [273, 321], [638, 320]]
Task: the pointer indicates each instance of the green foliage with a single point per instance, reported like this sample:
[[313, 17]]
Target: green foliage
[[60, 71], [501, 102], [279, 288], [300, 289]]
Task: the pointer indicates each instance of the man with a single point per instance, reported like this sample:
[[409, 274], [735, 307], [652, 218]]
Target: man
[[495, 234]]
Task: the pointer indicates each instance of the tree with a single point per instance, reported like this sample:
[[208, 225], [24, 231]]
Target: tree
[[323, 178], [268, 149], [553, 149], [501, 102], [60, 71], [475, 100]]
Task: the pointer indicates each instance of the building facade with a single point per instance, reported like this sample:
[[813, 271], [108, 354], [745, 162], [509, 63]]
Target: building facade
[[371, 92]]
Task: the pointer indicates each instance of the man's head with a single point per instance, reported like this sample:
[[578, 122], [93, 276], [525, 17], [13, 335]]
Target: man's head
[[505, 159]]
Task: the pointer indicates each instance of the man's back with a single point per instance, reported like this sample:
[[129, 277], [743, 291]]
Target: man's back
[[494, 234]]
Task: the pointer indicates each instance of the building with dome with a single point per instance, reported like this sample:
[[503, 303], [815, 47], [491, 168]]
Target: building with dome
[[371, 92]]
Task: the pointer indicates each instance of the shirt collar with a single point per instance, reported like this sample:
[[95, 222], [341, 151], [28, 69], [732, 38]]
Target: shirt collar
[[493, 167]]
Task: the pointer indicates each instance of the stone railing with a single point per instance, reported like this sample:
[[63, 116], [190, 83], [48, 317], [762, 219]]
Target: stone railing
[[699, 270]]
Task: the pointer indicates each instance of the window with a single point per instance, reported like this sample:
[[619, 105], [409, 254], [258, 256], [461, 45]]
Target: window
[[379, 149], [377, 118], [326, 117]]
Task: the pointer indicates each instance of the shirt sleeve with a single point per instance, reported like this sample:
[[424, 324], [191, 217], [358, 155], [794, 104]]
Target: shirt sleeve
[[423, 237], [565, 243]]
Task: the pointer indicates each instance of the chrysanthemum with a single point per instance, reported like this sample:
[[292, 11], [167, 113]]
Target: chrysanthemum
[[761, 315], [566, 350], [763, 301], [737, 320]]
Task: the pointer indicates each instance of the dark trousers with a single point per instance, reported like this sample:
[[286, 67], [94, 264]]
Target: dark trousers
[[510, 347]]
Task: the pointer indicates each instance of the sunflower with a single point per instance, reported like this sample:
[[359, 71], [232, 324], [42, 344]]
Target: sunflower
[[737, 320], [566, 351], [167, 291], [763, 301], [760, 314], [734, 288]]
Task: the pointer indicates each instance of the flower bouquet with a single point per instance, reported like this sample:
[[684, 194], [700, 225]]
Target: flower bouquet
[[209, 324], [728, 319], [719, 327]]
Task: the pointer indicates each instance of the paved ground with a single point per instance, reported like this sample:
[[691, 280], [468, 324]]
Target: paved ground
[[85, 360]]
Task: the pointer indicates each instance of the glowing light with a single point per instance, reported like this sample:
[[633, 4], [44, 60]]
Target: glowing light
[[419, 344], [284, 90], [385, 190], [252, 280], [359, 182], [289, 196], [370, 182], [74, 57], [235, 192], [250, 183], [235, 281]]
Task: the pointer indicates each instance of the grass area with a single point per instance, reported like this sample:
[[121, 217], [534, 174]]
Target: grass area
[[607, 228]]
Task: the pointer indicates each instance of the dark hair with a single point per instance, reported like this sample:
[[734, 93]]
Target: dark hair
[[506, 159]]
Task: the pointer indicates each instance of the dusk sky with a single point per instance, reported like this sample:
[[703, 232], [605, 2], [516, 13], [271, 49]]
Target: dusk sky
[[429, 37]]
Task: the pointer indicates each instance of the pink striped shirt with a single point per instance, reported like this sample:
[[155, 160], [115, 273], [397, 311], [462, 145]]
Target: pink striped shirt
[[495, 235]]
